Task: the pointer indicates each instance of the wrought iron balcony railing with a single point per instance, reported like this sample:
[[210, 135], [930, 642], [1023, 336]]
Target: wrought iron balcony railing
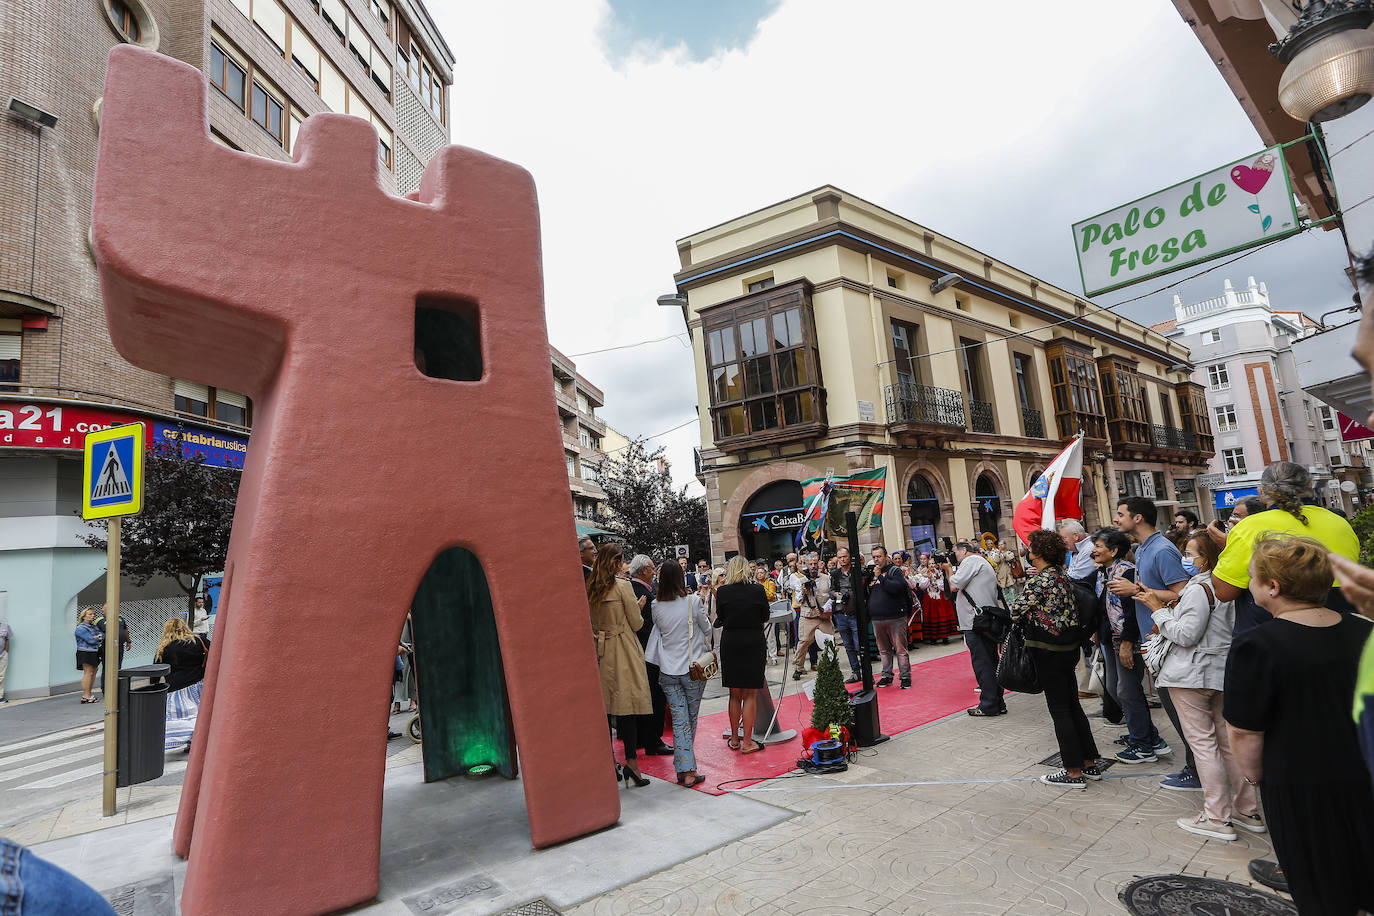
[[980, 412], [1035, 426], [924, 404], [1173, 437]]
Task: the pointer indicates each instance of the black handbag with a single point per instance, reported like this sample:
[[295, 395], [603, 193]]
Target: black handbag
[[1016, 668]]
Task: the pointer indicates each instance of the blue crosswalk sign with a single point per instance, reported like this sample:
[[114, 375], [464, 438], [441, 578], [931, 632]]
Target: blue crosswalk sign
[[112, 480]]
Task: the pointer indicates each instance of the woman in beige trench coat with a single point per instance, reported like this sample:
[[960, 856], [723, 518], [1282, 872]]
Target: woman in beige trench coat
[[624, 681]]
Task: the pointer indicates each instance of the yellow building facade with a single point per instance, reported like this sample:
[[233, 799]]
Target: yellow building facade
[[831, 334]]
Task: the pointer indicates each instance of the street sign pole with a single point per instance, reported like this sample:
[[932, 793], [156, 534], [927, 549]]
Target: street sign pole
[[111, 665], [112, 487]]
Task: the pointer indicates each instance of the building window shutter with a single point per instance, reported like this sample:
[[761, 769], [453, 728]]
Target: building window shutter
[[190, 390], [272, 20], [10, 345], [332, 88], [232, 398], [304, 51], [333, 11], [381, 70]]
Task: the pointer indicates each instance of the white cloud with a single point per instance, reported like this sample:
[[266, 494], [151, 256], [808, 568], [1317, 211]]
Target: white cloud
[[997, 123]]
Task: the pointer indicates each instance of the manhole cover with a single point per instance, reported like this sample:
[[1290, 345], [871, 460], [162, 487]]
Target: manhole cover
[[1188, 895], [533, 908], [1054, 760]]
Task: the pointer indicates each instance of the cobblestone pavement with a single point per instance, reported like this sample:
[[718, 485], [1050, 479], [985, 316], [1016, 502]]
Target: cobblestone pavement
[[991, 840]]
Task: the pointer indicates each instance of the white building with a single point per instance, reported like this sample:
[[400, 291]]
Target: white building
[[1243, 353]]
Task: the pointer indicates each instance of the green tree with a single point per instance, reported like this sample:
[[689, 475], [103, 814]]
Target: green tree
[[645, 510], [1363, 523], [183, 530], [831, 700]]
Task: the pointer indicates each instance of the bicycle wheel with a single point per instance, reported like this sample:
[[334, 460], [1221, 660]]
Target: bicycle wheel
[[413, 728]]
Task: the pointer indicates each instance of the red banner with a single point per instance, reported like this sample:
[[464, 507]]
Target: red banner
[[50, 425], [1351, 431]]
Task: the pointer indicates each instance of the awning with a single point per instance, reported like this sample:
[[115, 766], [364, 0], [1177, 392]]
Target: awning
[[585, 530]]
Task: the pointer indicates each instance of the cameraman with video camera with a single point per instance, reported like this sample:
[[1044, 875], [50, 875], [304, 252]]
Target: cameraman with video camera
[[974, 582], [815, 604]]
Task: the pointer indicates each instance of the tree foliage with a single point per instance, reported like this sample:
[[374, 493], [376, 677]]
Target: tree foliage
[[646, 511], [1363, 523], [831, 700], [183, 530]]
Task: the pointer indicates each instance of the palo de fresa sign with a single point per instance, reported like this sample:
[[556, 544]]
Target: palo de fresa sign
[[1241, 204]]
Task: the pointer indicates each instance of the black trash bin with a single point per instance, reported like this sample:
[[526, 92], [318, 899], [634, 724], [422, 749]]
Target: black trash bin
[[142, 724]]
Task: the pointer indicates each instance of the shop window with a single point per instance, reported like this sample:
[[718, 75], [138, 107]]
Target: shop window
[[763, 367]]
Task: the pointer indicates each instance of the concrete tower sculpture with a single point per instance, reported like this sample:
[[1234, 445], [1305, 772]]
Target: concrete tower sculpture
[[303, 284]]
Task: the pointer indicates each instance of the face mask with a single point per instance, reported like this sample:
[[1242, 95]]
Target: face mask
[[1189, 567]]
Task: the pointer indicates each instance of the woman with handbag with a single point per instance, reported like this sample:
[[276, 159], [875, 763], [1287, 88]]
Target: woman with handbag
[[679, 646], [186, 653], [624, 680], [1188, 656], [90, 640], [741, 613], [1047, 615]]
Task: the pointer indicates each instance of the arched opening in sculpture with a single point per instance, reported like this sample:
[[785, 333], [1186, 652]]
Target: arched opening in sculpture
[[464, 711]]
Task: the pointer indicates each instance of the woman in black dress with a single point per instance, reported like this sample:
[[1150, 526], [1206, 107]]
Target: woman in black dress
[[742, 613], [1289, 684]]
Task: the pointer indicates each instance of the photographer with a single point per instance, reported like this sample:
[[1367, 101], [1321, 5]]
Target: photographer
[[815, 606], [974, 583], [889, 606], [843, 580]]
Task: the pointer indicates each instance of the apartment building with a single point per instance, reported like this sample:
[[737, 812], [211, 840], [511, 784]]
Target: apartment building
[[830, 333], [1242, 348], [584, 440], [270, 65]]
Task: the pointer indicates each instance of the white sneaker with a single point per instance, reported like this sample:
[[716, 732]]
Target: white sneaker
[[1251, 822], [1204, 826]]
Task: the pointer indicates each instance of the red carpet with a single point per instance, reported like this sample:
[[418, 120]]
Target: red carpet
[[938, 687]]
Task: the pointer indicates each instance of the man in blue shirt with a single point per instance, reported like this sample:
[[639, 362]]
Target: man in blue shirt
[[1159, 568], [1080, 546]]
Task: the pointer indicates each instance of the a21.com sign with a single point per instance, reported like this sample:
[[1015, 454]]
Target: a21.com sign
[[1241, 204]]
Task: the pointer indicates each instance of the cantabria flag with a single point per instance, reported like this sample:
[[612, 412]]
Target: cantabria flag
[[1054, 496], [860, 493]]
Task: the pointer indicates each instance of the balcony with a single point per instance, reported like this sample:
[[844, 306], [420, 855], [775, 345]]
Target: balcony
[[567, 406], [932, 415], [696, 466], [981, 415], [1032, 423], [1171, 437], [592, 422]]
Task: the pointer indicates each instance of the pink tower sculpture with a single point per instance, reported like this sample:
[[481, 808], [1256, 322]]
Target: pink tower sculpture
[[298, 283]]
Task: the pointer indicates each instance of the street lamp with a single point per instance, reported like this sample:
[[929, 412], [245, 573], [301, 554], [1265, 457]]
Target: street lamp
[[32, 113], [1329, 58]]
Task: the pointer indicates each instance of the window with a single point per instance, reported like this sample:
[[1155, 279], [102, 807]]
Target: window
[[382, 10], [1218, 377], [572, 467], [970, 354], [267, 113], [1328, 418], [1073, 378], [896, 280], [1024, 373], [961, 304], [763, 367], [1212, 336], [210, 403], [1234, 459], [190, 398], [11, 346], [230, 407], [904, 344], [1194, 416], [1166, 410], [758, 286], [1124, 399], [126, 20], [1226, 418], [583, 404], [584, 437], [271, 21], [227, 76]]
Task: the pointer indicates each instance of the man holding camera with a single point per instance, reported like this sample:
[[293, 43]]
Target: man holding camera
[[815, 604], [889, 606], [843, 581], [974, 582]]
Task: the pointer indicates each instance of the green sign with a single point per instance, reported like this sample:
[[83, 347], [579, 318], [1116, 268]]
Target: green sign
[[1241, 204]]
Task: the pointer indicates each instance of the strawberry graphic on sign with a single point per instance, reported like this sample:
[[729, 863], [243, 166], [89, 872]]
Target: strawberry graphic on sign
[[1251, 179]]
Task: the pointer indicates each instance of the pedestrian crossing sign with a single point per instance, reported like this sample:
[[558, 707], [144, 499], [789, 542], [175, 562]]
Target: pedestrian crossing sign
[[112, 476]]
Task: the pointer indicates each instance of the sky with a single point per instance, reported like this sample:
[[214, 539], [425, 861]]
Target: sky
[[644, 121]]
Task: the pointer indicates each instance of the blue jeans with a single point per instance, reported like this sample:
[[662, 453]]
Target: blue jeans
[[30, 886], [1127, 685], [847, 625], [684, 701]]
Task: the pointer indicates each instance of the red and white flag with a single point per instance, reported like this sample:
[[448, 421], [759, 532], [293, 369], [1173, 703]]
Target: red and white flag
[[1054, 496]]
